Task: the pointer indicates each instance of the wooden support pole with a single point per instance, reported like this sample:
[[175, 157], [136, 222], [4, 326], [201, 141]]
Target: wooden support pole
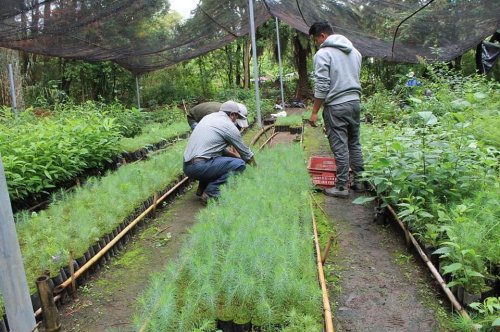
[[13, 282], [327, 250]]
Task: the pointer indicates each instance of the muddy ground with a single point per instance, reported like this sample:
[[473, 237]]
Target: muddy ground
[[375, 283]]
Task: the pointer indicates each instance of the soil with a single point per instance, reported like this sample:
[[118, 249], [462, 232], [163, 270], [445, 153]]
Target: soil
[[375, 283]]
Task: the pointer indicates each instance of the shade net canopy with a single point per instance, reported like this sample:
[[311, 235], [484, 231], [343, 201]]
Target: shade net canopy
[[145, 35]]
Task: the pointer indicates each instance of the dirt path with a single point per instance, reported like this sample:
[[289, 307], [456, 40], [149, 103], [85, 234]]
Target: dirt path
[[376, 283]]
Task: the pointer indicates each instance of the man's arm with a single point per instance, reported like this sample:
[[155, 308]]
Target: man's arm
[[233, 137], [322, 84]]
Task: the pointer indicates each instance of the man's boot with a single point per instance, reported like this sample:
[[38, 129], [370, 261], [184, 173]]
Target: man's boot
[[339, 191]]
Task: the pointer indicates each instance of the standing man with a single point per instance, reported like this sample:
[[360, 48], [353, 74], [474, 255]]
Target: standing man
[[337, 66], [195, 114], [207, 158]]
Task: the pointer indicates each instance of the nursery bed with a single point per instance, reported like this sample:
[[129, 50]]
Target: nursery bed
[[370, 285]]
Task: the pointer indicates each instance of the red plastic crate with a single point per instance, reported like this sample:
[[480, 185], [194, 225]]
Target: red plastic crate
[[322, 164], [323, 179]]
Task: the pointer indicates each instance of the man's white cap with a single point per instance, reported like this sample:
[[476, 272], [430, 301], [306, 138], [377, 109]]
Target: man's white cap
[[231, 106]]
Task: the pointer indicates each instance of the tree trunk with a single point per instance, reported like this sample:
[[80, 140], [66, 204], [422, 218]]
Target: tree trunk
[[238, 64], [229, 55], [201, 67], [301, 50], [65, 83], [246, 62]]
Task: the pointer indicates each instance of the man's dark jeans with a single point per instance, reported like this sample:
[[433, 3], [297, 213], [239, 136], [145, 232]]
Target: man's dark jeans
[[213, 172], [342, 128]]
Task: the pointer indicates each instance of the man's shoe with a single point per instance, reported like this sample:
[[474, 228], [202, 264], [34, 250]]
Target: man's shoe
[[341, 192], [199, 191], [204, 198], [359, 186]]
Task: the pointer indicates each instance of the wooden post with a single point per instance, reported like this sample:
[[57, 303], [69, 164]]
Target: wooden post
[[12, 275], [327, 250], [49, 309]]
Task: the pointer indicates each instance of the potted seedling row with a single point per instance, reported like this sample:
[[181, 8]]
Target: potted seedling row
[[246, 265], [436, 171], [87, 218]]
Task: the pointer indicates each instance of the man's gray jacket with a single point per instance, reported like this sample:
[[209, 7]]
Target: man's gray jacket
[[337, 66]]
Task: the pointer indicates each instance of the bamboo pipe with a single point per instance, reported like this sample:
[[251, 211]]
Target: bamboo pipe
[[104, 250], [326, 300], [268, 140], [50, 314], [259, 134]]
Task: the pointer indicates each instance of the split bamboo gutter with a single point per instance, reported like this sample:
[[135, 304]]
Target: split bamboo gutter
[[321, 273], [260, 133], [411, 239], [118, 237]]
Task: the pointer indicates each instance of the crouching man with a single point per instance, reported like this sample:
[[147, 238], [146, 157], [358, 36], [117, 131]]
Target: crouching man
[[207, 158]]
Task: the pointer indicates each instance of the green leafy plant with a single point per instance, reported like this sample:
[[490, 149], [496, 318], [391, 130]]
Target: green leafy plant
[[489, 310]]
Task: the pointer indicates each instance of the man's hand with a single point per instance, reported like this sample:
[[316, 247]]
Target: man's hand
[[252, 162], [231, 152], [313, 119], [318, 103]]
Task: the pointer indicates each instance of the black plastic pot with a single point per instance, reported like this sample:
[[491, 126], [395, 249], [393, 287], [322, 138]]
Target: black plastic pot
[[106, 257], [490, 292], [68, 274], [109, 238], [3, 326], [57, 279], [269, 121], [230, 326], [380, 215], [81, 262], [433, 258], [282, 128], [469, 298], [242, 327], [460, 293], [119, 244], [35, 301], [96, 248], [225, 326]]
